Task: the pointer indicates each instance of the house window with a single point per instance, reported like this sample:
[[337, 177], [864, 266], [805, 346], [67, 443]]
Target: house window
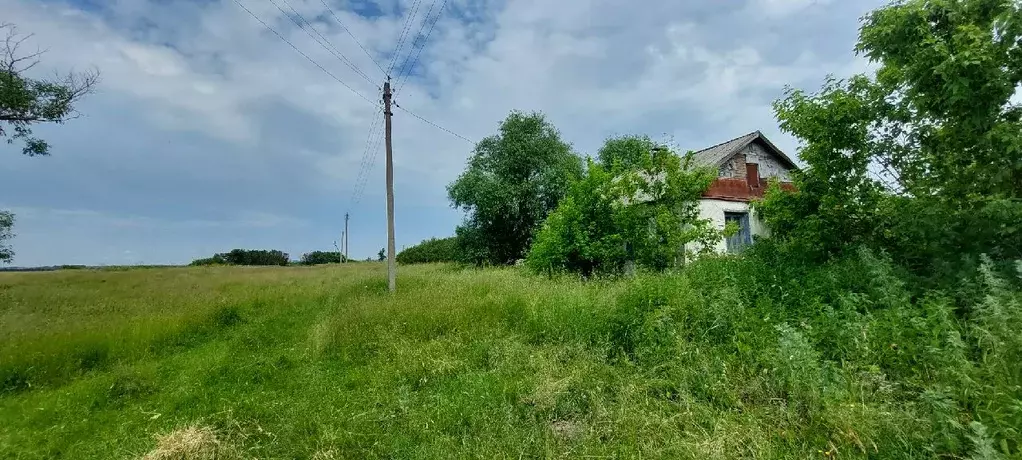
[[743, 237]]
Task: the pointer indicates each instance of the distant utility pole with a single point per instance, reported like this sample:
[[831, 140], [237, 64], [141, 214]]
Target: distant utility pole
[[345, 259], [391, 274]]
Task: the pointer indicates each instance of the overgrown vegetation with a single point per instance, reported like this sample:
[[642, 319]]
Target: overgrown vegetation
[[245, 257], [512, 181], [640, 203], [431, 251], [921, 161], [321, 257], [881, 319], [758, 356]]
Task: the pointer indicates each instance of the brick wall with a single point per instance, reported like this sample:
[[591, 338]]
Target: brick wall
[[734, 168]]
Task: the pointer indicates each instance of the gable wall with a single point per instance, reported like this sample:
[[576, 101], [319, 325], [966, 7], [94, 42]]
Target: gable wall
[[769, 165], [733, 168]]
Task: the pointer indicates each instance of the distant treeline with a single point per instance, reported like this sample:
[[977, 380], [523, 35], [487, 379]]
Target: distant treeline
[[246, 257], [269, 257]]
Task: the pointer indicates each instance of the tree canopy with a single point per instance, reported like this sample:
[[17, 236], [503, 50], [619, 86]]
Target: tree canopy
[[513, 180], [922, 159], [25, 101]]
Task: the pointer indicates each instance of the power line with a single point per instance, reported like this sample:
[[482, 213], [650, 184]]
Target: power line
[[372, 163], [331, 10], [422, 25], [365, 151], [404, 33], [360, 186], [363, 170], [423, 45], [306, 56], [329, 47], [436, 125]]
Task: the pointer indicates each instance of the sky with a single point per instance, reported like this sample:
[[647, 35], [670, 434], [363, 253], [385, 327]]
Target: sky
[[208, 132]]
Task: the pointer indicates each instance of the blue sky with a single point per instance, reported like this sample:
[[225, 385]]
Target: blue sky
[[208, 133]]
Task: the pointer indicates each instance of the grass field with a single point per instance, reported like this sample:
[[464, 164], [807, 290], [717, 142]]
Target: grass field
[[290, 362]]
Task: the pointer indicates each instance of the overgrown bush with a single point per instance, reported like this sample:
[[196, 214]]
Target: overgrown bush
[[639, 203], [846, 343], [320, 257], [432, 250]]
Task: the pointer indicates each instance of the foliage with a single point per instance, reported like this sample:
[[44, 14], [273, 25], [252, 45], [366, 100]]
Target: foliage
[[431, 250], [625, 153], [6, 224], [512, 181], [246, 257], [922, 160], [25, 101], [641, 198], [321, 257], [382, 255], [581, 235], [217, 259]]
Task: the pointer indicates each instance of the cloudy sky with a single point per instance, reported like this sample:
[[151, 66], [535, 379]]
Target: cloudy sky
[[209, 132]]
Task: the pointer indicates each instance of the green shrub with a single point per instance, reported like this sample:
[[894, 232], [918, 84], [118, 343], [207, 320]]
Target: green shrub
[[320, 257], [639, 203], [430, 251]]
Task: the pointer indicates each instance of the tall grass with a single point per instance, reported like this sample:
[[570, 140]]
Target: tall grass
[[730, 358]]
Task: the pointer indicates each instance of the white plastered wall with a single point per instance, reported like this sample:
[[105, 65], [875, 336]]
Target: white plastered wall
[[714, 210]]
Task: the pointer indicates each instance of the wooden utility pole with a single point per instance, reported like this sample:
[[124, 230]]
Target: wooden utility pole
[[345, 238], [391, 275]]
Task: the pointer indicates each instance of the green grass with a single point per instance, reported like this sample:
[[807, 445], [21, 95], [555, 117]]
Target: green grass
[[321, 362]]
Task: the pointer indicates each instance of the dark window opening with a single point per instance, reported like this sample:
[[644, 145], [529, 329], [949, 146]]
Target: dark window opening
[[742, 238]]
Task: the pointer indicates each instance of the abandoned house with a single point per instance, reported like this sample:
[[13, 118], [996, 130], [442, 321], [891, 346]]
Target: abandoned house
[[745, 165]]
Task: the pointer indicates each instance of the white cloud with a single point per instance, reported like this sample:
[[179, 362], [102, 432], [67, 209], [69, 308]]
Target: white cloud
[[222, 114], [782, 8]]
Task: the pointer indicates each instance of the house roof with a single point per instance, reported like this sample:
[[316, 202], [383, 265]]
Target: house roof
[[718, 154]]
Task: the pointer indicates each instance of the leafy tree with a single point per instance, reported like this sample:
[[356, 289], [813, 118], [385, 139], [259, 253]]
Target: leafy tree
[[513, 180], [431, 250], [924, 159], [321, 257], [6, 224], [382, 255], [625, 152], [640, 201], [25, 101]]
